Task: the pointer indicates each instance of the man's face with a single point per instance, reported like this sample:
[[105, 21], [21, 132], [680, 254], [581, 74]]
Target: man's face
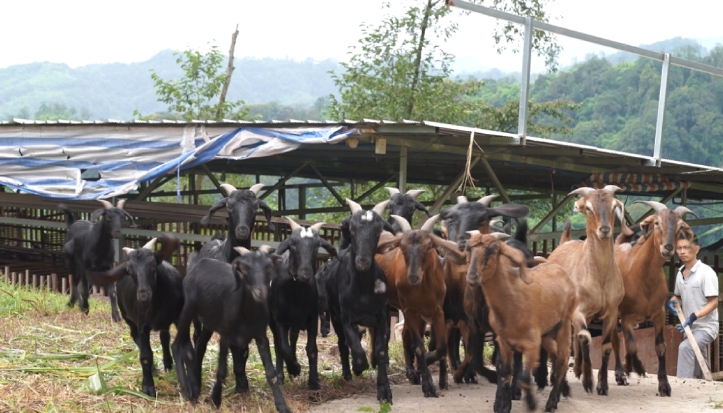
[[686, 250]]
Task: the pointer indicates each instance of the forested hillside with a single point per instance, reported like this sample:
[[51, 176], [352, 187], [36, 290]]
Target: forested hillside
[[116, 90]]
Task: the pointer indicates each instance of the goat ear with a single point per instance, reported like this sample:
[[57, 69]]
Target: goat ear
[[686, 232], [102, 279], [237, 274], [328, 247], [509, 210], [646, 225], [283, 246], [621, 215], [518, 260], [420, 207], [388, 241], [215, 207], [97, 214], [267, 214], [450, 249]]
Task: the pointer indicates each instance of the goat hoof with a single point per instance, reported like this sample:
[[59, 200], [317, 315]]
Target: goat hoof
[[516, 393], [293, 369], [242, 387], [413, 376], [115, 317], [621, 379], [384, 394], [602, 391], [428, 389], [503, 406], [314, 385], [150, 391], [664, 389], [154, 371], [565, 388]]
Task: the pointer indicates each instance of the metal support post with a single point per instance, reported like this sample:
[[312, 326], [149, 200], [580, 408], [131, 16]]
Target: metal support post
[[525, 80], [661, 110]]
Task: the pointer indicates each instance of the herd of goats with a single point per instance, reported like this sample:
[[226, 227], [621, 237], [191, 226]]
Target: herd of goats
[[467, 280]]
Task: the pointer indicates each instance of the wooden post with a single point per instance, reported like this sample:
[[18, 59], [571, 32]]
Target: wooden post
[[42, 282], [694, 344], [35, 281], [70, 283], [14, 278], [6, 275], [63, 285], [54, 277], [27, 277]]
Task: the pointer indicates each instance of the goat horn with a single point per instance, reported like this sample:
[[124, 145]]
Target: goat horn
[[485, 200], [316, 227], [402, 223], [294, 226], [228, 188], [353, 206], [379, 208], [501, 236], [475, 232], [151, 244], [681, 210], [414, 193], [657, 206], [392, 191], [265, 248], [106, 204], [120, 203], [241, 250], [128, 250], [429, 224], [462, 199], [612, 188], [256, 188], [584, 191]]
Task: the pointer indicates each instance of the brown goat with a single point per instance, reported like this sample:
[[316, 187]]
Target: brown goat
[[599, 285], [415, 282], [646, 291], [529, 308]]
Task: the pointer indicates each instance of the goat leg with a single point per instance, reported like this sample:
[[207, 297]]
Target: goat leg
[[620, 374], [312, 353], [659, 323], [381, 349], [353, 339], [146, 358], [113, 295], [221, 372], [240, 354], [294, 369], [608, 324], [165, 341], [262, 343], [183, 352], [560, 357], [440, 354], [200, 345], [343, 348], [516, 374], [503, 397], [413, 375], [542, 372]]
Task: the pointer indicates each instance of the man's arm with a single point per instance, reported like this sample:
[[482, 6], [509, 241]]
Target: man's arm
[[711, 305]]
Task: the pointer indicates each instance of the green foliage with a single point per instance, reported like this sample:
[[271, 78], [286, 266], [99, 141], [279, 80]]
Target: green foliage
[[400, 71], [52, 111], [196, 94], [16, 300]]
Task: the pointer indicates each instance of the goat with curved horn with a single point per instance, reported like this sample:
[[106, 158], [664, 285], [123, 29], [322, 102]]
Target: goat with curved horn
[[392, 191], [462, 199], [414, 193], [681, 210], [584, 191], [265, 248], [294, 226], [612, 188], [429, 223], [485, 200], [501, 236], [228, 188], [120, 203], [353, 206], [256, 188], [316, 227], [657, 206], [150, 245], [379, 208], [241, 250], [106, 204], [403, 224]]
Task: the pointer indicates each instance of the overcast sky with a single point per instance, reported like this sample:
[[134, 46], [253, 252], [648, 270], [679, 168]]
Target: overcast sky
[[85, 32]]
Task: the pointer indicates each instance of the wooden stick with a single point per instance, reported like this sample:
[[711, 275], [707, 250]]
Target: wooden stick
[[694, 344]]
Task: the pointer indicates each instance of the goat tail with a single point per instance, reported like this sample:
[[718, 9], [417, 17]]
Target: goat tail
[[521, 231], [566, 232], [69, 217], [185, 355]]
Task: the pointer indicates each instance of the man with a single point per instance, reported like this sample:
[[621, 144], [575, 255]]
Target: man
[[696, 288]]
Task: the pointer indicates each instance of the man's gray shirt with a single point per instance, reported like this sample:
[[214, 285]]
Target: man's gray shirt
[[702, 282]]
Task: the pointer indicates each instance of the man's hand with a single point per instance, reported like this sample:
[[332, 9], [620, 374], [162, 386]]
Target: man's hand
[[689, 322], [671, 307]]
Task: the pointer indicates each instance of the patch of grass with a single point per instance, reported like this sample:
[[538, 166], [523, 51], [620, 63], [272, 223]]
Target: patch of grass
[[715, 404], [49, 353]]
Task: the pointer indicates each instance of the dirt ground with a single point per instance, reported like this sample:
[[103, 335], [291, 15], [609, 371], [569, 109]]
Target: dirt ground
[[688, 395]]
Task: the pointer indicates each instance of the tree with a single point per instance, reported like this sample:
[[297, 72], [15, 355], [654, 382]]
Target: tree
[[196, 94], [400, 71]]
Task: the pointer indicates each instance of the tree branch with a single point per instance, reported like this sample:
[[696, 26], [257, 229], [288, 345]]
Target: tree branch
[[220, 111]]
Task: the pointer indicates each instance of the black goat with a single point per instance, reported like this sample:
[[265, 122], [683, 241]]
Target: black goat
[[357, 293], [241, 205], [293, 300], [232, 300], [88, 246], [150, 298], [403, 205]]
